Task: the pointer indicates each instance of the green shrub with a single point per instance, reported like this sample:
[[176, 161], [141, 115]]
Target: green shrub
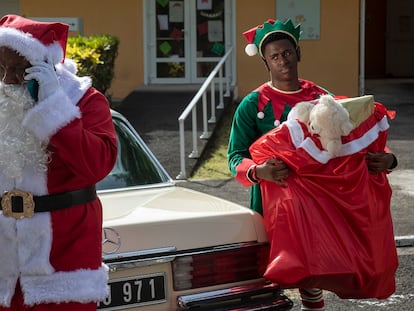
[[95, 57]]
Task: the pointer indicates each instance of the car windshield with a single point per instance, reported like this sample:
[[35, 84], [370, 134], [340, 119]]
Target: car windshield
[[135, 164]]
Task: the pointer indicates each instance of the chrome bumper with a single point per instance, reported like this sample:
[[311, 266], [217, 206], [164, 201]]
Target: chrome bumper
[[252, 297]]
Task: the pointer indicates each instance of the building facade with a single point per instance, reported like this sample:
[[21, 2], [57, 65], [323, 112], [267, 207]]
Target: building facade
[[178, 42]]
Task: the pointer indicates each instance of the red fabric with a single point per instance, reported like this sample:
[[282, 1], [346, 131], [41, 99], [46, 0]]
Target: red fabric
[[84, 151], [241, 172], [248, 127], [331, 228], [309, 91]]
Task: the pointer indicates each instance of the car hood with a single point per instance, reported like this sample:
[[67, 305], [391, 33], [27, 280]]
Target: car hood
[[177, 217]]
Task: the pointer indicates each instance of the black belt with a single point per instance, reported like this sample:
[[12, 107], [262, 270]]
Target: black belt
[[16, 200]]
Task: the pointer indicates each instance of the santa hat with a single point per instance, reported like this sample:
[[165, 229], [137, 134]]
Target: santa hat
[[256, 35], [36, 41]]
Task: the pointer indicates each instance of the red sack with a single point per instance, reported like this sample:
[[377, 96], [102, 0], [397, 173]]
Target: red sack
[[331, 228]]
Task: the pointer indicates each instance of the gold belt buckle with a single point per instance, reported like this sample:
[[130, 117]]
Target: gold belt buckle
[[27, 203]]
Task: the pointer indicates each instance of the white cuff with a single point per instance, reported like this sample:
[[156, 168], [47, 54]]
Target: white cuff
[[50, 115]]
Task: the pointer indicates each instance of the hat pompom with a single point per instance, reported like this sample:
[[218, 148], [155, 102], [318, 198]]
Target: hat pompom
[[260, 115], [251, 49]]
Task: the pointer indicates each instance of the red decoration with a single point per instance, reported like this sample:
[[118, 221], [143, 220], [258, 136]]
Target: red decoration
[[176, 34]]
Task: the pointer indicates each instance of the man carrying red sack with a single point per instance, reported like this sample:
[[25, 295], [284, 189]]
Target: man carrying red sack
[[57, 142], [276, 42]]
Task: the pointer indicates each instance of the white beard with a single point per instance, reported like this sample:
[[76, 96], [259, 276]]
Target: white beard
[[19, 148]]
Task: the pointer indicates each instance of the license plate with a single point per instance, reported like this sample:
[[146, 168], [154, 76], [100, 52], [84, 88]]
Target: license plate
[[134, 291]]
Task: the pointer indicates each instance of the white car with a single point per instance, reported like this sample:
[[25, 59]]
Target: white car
[[169, 248]]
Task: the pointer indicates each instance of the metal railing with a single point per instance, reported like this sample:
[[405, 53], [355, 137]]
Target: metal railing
[[192, 108]]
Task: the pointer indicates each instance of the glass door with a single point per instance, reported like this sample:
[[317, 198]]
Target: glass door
[[170, 41], [186, 39], [210, 36]]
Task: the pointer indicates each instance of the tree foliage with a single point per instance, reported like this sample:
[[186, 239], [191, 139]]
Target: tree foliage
[[95, 57]]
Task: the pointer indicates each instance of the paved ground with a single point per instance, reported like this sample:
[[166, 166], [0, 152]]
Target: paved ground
[[395, 94]]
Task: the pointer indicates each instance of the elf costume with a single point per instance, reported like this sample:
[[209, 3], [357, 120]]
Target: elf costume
[[263, 109], [259, 112], [53, 255]]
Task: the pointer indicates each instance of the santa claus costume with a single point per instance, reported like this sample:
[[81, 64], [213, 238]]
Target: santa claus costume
[[54, 149]]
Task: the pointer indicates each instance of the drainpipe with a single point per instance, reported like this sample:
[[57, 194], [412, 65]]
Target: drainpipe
[[362, 48]]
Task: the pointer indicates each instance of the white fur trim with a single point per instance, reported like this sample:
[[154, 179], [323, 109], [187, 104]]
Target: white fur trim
[[50, 115], [70, 65], [30, 47], [54, 53], [7, 287], [26, 246], [364, 141], [73, 86], [82, 286], [35, 243], [295, 131], [9, 270], [322, 156], [319, 155]]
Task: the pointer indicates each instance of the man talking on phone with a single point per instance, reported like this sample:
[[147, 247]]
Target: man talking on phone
[[57, 141]]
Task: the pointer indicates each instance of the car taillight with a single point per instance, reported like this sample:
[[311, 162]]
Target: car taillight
[[219, 267]]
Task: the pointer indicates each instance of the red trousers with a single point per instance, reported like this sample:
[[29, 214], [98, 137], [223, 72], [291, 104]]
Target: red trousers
[[17, 304]]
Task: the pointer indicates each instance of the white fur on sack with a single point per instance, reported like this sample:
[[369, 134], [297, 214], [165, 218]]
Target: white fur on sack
[[306, 143]]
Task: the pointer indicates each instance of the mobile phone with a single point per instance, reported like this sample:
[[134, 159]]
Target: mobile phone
[[33, 87]]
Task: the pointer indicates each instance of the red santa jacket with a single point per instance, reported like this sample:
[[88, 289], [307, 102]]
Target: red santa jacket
[[57, 255]]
